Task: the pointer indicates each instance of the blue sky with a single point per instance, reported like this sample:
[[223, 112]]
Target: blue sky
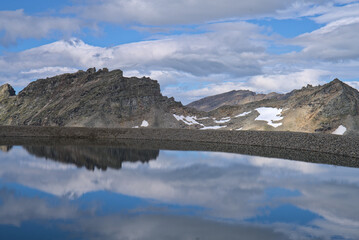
[[193, 48]]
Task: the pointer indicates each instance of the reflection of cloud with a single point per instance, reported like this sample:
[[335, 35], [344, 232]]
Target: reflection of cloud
[[227, 186], [296, 166], [16, 209], [170, 227]]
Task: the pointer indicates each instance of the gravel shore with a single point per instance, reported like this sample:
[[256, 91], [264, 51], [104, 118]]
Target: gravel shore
[[321, 148]]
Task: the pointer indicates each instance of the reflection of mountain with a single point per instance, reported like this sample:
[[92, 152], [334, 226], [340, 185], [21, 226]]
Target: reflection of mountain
[[91, 156], [5, 148]]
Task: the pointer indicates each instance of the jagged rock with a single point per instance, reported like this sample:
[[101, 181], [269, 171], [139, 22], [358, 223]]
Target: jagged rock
[[91, 99], [6, 90]]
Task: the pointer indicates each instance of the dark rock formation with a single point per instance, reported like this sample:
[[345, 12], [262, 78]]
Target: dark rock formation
[[93, 157], [92, 98]]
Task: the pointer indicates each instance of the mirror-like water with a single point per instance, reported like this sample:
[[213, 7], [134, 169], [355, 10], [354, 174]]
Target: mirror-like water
[[70, 192]]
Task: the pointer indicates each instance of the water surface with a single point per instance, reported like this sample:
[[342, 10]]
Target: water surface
[[89, 192]]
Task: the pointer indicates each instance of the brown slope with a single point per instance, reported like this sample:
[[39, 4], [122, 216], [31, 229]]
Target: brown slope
[[310, 109], [231, 98]]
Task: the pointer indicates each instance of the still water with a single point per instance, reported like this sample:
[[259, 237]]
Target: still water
[[70, 192]]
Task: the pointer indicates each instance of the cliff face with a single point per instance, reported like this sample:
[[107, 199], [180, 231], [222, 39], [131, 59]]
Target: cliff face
[[92, 99]]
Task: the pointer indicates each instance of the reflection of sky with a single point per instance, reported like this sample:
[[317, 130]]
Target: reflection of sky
[[225, 192]]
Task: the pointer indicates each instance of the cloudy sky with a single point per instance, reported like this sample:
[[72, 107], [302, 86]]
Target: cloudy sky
[[195, 48]]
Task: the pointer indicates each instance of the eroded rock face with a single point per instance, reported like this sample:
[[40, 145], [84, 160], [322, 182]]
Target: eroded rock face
[[92, 99], [6, 91]]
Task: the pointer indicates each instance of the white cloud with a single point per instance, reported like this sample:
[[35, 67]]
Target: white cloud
[[162, 12], [187, 96], [16, 25], [354, 84], [220, 57], [289, 81], [177, 59], [335, 13], [333, 42]]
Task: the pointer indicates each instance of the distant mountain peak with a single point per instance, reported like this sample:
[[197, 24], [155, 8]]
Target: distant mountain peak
[[232, 98]]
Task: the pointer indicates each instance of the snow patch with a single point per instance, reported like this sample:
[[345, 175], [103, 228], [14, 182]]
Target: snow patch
[[340, 130], [223, 120], [144, 123], [213, 127], [243, 114], [270, 115], [239, 129], [135, 127], [204, 118], [189, 120]]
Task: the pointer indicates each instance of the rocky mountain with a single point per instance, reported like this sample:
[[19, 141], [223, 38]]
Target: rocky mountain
[[92, 99], [231, 98], [331, 108], [108, 99]]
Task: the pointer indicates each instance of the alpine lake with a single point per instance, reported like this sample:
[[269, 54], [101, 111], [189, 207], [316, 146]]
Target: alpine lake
[[87, 191]]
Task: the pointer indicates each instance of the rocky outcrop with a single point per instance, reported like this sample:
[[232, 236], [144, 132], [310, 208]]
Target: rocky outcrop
[[93, 98], [6, 91]]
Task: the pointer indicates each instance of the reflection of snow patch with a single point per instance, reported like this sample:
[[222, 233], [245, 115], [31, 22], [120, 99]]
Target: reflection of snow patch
[[270, 115], [213, 127], [135, 127], [223, 120], [340, 130], [189, 120], [144, 123], [243, 114]]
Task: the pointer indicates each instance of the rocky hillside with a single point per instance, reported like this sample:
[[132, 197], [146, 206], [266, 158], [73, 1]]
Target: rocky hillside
[[331, 108], [232, 98], [92, 98], [108, 99]]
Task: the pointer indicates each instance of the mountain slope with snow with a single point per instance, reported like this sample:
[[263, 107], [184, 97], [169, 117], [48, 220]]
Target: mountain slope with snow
[[108, 99]]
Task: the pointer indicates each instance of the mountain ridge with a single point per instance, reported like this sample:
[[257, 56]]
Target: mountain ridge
[[234, 97], [107, 99]]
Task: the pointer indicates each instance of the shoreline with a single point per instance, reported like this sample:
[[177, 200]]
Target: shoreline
[[320, 148]]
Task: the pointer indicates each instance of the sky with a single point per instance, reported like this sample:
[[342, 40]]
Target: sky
[[194, 48]]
